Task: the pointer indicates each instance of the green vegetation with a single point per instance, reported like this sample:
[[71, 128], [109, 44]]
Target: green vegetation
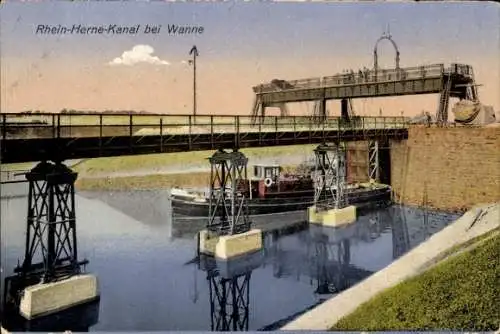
[[460, 293], [98, 173], [154, 181], [154, 161]]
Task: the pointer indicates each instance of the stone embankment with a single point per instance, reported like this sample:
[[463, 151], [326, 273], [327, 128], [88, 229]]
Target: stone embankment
[[449, 169]]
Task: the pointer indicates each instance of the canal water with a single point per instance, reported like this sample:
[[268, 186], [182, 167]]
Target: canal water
[[150, 277]]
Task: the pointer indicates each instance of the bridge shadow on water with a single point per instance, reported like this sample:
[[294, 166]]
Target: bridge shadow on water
[[151, 279]]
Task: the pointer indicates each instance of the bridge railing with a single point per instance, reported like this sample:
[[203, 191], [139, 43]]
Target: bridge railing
[[359, 77], [105, 125]]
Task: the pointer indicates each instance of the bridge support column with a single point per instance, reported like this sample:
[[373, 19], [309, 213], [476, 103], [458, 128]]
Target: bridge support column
[[344, 109], [319, 113], [51, 278], [259, 110], [228, 232], [330, 205]]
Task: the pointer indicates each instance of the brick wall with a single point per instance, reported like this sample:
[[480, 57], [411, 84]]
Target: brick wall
[[458, 167], [357, 161]]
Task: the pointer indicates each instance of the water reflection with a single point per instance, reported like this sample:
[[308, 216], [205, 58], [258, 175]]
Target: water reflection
[[77, 319], [323, 256], [229, 290], [145, 285]]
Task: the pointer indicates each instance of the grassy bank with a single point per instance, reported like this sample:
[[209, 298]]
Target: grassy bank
[[98, 173], [157, 161], [460, 293], [153, 181], [158, 181]]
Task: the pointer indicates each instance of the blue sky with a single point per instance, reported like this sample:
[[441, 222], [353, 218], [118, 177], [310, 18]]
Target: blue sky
[[238, 28], [242, 35]]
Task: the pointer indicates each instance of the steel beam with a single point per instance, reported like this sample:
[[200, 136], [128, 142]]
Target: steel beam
[[373, 160]]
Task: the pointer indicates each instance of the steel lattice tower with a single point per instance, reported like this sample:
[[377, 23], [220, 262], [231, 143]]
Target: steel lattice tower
[[329, 177], [51, 224], [228, 211]]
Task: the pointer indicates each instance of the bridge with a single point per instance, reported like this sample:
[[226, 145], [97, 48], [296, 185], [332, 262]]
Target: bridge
[[457, 80], [58, 137], [40, 137]]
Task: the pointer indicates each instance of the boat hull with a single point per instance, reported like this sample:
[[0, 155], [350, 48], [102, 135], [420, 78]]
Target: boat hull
[[362, 199]]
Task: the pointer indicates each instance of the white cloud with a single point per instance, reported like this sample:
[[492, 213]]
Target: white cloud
[[138, 54]]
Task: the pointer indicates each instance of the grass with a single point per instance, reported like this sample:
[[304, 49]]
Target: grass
[[460, 293], [91, 169], [149, 182], [154, 161], [161, 181]]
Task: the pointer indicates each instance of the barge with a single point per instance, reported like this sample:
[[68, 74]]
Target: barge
[[270, 191]]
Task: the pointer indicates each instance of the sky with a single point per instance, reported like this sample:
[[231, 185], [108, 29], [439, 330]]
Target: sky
[[242, 44]]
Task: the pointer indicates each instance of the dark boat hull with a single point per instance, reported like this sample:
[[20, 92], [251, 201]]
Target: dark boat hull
[[362, 199]]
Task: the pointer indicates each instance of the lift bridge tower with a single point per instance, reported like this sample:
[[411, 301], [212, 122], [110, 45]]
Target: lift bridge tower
[[228, 233], [330, 205], [50, 278]]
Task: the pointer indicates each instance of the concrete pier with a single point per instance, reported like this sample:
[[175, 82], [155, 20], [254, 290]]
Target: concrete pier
[[230, 246], [43, 299], [332, 217]]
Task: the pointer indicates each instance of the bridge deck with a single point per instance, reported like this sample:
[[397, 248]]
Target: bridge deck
[[89, 136], [383, 82]]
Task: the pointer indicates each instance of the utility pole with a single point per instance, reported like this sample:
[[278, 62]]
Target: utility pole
[[194, 53]]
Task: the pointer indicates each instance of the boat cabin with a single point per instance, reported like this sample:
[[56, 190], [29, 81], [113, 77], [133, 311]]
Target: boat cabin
[[268, 181], [262, 172]]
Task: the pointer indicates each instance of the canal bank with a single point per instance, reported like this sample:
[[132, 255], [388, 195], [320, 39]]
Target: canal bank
[[476, 222]]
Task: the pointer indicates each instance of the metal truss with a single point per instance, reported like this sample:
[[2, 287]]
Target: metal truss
[[228, 211], [319, 111], [229, 300], [51, 242], [329, 177], [444, 100], [373, 160], [51, 222]]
